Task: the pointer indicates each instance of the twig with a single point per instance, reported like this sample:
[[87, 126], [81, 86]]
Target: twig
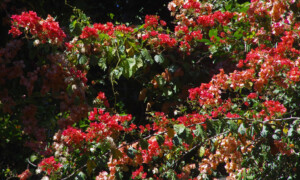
[[31, 163], [74, 172], [264, 122]]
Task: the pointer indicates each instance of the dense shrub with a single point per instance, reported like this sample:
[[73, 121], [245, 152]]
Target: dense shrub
[[217, 96]]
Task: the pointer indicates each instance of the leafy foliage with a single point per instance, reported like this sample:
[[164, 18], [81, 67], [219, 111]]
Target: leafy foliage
[[218, 94]]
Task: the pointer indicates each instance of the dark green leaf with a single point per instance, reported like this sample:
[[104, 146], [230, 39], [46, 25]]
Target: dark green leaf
[[146, 56], [187, 136], [265, 131], [144, 144], [199, 131], [80, 176], [233, 126], [176, 140], [160, 139], [102, 63], [242, 129], [116, 73], [131, 152], [82, 59]]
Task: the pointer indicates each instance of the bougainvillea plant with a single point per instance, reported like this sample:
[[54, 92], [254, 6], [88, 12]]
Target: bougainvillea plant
[[242, 123]]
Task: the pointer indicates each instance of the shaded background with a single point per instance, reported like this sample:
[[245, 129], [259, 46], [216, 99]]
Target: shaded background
[[102, 11]]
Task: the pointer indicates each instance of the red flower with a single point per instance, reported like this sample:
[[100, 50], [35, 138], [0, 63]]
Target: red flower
[[151, 21], [73, 136], [138, 172], [14, 31], [89, 32], [49, 165], [252, 96], [163, 23], [26, 174], [45, 30]]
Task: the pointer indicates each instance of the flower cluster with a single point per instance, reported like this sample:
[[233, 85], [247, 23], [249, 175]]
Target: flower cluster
[[25, 175], [72, 136], [108, 28], [102, 98], [273, 108], [49, 165], [46, 30], [209, 20]]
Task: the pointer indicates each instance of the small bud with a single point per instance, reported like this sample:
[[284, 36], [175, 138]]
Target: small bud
[[92, 150], [38, 171], [36, 42]]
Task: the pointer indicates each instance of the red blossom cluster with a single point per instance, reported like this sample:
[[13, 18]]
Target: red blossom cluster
[[192, 4], [101, 96], [252, 96], [49, 165], [263, 67], [218, 16], [46, 30], [25, 175], [106, 125], [139, 172], [108, 28], [191, 119], [151, 21], [273, 108], [73, 136], [79, 75], [210, 93]]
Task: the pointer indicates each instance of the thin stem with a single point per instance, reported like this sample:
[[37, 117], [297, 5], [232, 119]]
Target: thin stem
[[74, 172]]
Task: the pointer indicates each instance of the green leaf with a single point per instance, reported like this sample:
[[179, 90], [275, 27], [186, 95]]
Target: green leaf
[[146, 56], [276, 134], [160, 139], [199, 131], [82, 59], [80, 176], [102, 63], [119, 175], [213, 32], [201, 151], [238, 34], [242, 129], [206, 41], [291, 131], [244, 7], [144, 144], [188, 138], [159, 59], [33, 158], [122, 49], [116, 73], [179, 128], [233, 126], [161, 81], [265, 131], [139, 63], [129, 67], [131, 152], [176, 140]]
